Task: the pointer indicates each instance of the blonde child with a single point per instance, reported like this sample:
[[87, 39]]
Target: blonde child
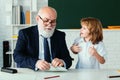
[[89, 46]]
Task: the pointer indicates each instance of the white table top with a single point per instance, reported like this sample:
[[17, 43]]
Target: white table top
[[71, 74]]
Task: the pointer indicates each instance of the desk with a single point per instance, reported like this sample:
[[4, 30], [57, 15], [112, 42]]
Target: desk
[[71, 74]]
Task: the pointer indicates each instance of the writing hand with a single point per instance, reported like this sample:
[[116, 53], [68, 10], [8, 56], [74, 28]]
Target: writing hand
[[42, 65], [57, 62]]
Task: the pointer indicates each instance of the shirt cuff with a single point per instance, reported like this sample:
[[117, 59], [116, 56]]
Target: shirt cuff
[[36, 69], [64, 63]]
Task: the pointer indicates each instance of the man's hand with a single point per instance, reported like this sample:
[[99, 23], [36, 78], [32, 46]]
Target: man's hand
[[57, 62], [42, 65]]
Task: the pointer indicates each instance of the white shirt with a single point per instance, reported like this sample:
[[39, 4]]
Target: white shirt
[[41, 47], [85, 60]]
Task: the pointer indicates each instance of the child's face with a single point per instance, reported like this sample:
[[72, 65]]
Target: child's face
[[84, 32]]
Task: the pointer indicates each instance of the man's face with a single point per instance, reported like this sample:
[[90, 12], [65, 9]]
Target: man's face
[[47, 24]]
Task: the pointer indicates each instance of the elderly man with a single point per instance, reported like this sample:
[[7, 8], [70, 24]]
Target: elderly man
[[42, 45]]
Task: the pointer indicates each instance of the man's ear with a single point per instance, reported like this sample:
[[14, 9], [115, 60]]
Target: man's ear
[[37, 18]]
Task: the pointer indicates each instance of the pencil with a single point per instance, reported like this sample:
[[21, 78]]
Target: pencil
[[51, 77], [117, 76]]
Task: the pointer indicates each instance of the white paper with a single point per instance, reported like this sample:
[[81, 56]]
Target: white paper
[[57, 68]]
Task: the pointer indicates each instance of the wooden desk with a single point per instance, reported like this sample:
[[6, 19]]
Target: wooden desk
[[72, 74]]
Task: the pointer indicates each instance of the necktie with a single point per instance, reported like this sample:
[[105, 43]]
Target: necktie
[[46, 51]]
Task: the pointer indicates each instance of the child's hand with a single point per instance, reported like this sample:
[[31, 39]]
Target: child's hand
[[92, 50], [94, 53], [75, 49]]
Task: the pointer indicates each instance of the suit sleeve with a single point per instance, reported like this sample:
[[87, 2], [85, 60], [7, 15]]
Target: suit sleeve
[[65, 53], [21, 54]]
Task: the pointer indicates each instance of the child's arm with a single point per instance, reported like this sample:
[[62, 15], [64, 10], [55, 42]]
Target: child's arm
[[94, 53], [75, 49]]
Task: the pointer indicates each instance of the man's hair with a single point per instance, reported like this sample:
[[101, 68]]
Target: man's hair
[[47, 7]]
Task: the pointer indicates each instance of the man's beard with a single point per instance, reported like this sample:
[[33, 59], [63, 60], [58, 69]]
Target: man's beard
[[46, 33]]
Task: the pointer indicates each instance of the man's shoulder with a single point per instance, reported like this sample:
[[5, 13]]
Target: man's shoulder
[[58, 35], [29, 28], [59, 32]]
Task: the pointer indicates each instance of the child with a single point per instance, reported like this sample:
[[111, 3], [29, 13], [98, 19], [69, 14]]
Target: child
[[89, 46]]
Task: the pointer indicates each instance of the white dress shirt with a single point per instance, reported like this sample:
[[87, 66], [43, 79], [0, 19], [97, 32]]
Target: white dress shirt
[[41, 47]]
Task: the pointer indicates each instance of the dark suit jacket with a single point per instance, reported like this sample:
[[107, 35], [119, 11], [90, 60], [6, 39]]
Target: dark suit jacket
[[27, 48]]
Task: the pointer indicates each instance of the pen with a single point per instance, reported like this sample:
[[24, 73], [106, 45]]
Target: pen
[[51, 77], [114, 76]]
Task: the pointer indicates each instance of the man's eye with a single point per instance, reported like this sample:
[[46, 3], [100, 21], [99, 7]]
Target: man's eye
[[53, 21], [46, 20]]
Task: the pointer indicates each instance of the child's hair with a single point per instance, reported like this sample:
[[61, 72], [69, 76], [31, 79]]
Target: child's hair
[[95, 27]]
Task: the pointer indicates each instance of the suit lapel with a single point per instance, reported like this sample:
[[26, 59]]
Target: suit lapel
[[53, 43]]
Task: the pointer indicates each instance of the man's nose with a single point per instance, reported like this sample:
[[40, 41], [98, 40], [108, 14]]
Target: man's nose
[[48, 21]]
